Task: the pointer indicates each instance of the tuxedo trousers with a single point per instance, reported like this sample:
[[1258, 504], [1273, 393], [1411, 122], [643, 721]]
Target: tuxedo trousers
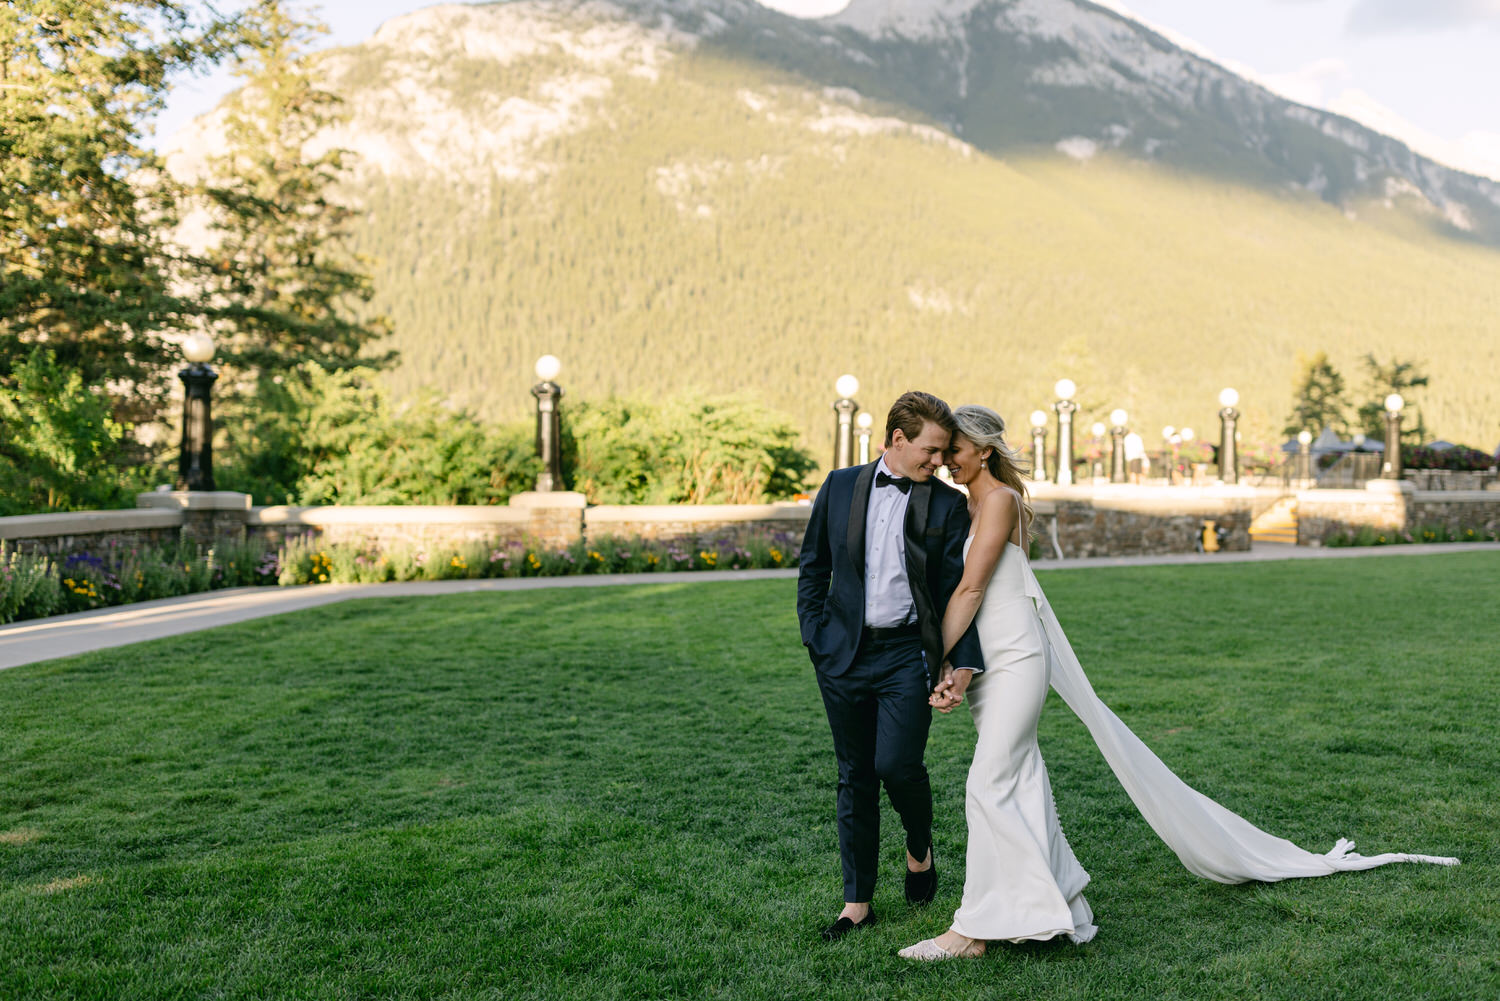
[[880, 716]]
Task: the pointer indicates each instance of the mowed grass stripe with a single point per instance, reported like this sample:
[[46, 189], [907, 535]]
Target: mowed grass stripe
[[629, 793]]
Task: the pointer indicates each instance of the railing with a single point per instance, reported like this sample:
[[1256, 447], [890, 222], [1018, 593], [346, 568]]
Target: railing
[[1351, 470], [1281, 473]]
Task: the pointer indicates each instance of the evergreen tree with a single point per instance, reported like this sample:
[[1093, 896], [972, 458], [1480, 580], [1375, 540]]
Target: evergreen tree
[[1383, 380], [83, 266], [1319, 399], [285, 292]]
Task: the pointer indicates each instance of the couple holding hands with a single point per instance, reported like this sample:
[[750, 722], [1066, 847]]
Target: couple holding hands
[[913, 595]]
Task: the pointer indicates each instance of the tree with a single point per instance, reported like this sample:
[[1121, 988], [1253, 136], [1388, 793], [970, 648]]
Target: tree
[[1383, 380], [334, 438], [60, 448], [683, 450], [84, 269], [285, 291], [1319, 397]]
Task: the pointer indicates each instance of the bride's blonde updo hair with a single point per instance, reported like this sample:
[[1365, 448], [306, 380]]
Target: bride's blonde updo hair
[[986, 429]]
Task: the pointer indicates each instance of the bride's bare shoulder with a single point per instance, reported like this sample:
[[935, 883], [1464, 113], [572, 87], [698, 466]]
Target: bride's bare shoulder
[[1001, 502], [996, 513]]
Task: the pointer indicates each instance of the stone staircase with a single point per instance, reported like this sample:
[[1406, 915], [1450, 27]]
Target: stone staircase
[[1277, 523]]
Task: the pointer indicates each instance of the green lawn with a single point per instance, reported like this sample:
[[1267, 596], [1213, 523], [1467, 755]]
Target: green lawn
[[628, 793]]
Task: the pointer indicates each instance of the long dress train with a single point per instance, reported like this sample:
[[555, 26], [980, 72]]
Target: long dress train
[[1023, 881]]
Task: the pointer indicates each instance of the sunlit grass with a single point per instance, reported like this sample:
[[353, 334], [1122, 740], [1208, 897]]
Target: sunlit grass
[[628, 792]]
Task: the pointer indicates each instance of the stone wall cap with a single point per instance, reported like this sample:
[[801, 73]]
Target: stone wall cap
[[698, 512], [1486, 496], [1383, 486], [555, 498], [36, 526], [195, 500], [386, 514], [1083, 492], [1341, 496]]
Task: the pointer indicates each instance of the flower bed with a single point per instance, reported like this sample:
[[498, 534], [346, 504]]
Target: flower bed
[[1370, 536], [33, 586]]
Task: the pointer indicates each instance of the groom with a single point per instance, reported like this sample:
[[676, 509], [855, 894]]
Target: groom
[[882, 555]]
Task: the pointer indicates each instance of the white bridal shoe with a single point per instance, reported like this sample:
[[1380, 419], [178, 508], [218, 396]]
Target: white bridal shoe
[[927, 950]]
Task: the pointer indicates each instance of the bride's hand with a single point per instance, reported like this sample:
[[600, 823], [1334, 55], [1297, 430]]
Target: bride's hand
[[943, 698], [950, 691]]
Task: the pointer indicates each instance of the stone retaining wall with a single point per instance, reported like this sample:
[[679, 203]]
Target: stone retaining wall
[[701, 524], [89, 531], [384, 526], [1078, 521], [1389, 506], [1142, 521]]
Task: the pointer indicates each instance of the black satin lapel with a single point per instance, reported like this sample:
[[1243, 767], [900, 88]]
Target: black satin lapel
[[859, 507], [915, 530]]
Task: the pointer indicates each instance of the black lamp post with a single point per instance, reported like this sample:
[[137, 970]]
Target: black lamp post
[[865, 422], [843, 433], [1391, 468], [1229, 458], [548, 423], [1039, 445], [195, 466], [1117, 446], [1064, 407]]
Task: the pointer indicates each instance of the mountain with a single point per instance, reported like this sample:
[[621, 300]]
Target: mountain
[[973, 196]]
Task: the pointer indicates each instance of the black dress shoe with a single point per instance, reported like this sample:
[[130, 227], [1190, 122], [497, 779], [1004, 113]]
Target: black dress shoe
[[921, 887], [844, 926]]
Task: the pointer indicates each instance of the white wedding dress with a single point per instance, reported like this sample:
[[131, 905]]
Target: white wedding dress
[[1023, 881]]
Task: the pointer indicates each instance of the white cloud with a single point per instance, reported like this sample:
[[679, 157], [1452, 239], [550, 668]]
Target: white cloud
[[1329, 84], [1477, 152], [806, 8], [1311, 84], [1386, 17]]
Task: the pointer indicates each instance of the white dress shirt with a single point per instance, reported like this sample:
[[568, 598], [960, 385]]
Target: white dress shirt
[[888, 600]]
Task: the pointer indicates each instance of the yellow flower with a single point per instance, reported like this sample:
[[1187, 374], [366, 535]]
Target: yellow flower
[[322, 576]]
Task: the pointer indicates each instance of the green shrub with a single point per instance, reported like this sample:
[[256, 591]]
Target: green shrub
[[684, 450], [60, 447], [321, 437]]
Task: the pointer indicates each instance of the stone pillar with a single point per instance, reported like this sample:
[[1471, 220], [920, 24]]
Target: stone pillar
[[555, 518], [208, 516]]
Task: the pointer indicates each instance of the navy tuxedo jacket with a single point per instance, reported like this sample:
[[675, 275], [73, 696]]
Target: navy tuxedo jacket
[[831, 578]]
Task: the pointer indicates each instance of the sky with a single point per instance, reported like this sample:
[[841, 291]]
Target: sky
[[1424, 71]]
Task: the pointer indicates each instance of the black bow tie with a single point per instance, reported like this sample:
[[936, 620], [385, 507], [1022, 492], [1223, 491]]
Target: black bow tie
[[901, 483]]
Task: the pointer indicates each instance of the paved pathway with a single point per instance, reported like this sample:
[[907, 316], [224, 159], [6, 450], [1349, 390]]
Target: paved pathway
[[83, 632]]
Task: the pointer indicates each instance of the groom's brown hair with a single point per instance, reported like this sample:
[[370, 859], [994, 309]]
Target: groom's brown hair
[[914, 409]]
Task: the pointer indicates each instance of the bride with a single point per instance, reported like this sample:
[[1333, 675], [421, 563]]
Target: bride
[[1023, 882]]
